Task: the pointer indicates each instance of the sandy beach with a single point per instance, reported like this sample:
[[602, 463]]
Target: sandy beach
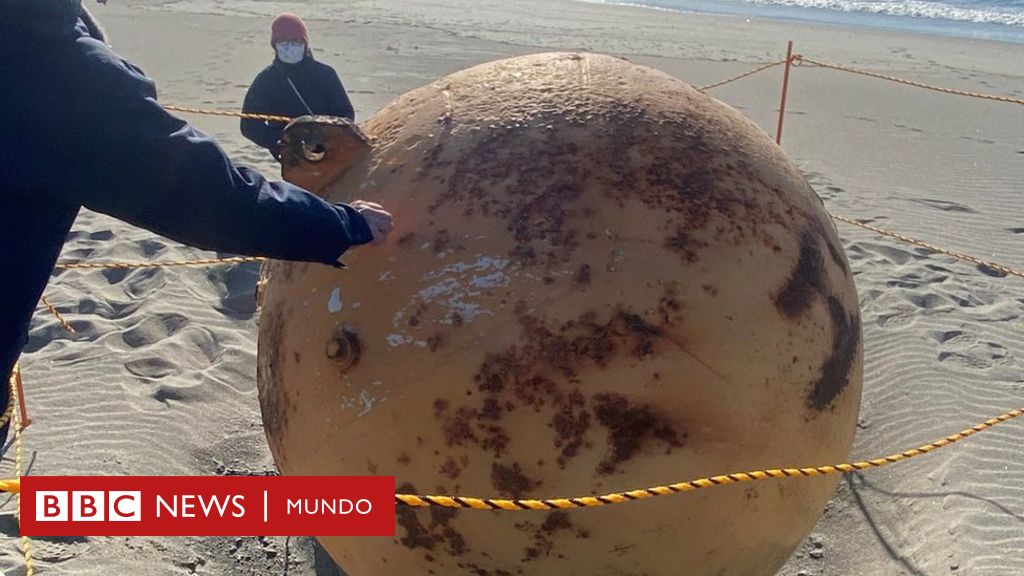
[[159, 376]]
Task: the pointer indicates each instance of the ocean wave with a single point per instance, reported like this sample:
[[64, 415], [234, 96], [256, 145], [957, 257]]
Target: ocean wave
[[910, 8], [1007, 12]]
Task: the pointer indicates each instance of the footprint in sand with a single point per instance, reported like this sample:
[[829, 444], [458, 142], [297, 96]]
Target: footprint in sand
[[989, 271], [915, 281], [205, 341], [911, 128], [165, 394], [822, 185], [860, 118], [144, 282], [969, 302], [968, 353], [89, 306], [892, 254], [152, 367], [830, 192], [238, 289], [980, 140], [108, 309], [903, 283], [196, 349], [154, 329], [894, 320], [59, 549], [101, 235], [963, 360], [872, 220], [926, 301], [53, 331], [77, 254], [813, 177], [151, 248], [943, 336], [115, 275], [944, 205], [870, 295], [854, 251]]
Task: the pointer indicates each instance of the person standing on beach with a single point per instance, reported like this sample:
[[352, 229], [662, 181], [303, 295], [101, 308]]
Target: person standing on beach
[[295, 84], [80, 126]]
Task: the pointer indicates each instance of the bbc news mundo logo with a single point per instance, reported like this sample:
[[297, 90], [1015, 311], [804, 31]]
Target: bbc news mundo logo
[[208, 506], [88, 506]]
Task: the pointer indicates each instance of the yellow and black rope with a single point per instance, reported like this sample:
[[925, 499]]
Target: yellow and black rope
[[416, 500]]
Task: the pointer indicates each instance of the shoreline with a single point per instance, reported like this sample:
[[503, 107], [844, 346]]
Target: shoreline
[[859, 20]]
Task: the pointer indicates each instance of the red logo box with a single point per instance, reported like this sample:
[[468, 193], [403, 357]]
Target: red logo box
[[208, 506]]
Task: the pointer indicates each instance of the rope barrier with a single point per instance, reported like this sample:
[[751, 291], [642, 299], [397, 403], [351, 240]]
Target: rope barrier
[[742, 76], [416, 500], [287, 119], [210, 112], [165, 264], [798, 59], [931, 247], [58, 316], [18, 426]]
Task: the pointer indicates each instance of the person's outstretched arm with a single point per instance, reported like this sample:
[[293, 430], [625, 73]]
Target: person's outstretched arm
[[151, 169]]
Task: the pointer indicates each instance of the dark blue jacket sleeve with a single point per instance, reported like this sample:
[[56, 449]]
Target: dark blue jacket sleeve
[[154, 170], [340, 103], [263, 134]]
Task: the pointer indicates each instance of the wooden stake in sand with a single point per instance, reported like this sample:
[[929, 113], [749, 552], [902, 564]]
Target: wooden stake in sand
[[785, 87]]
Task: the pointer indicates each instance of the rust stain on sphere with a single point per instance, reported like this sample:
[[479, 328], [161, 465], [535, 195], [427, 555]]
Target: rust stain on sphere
[[600, 279]]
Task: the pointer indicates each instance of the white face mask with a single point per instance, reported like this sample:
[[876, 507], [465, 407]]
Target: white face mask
[[291, 52]]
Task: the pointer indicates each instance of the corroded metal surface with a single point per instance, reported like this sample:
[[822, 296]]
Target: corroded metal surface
[[600, 279]]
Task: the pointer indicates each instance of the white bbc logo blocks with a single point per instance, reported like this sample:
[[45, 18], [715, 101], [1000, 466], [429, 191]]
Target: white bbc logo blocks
[[89, 506], [51, 506], [124, 506]]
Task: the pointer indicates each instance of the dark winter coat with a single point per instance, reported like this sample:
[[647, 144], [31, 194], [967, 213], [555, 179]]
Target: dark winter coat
[[270, 93]]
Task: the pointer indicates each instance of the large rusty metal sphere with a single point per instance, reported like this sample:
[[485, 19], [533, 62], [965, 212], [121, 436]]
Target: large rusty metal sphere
[[600, 279]]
